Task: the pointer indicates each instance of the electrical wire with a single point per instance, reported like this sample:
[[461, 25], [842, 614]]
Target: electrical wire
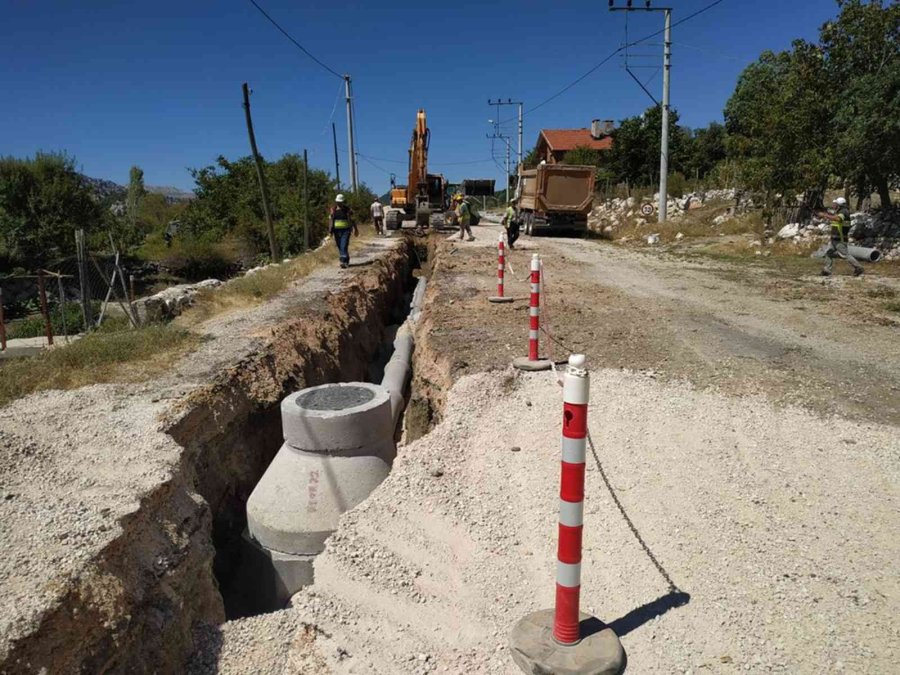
[[609, 56], [296, 44]]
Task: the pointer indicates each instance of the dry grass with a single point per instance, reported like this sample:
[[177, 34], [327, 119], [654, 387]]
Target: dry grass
[[115, 353], [108, 355], [254, 289]]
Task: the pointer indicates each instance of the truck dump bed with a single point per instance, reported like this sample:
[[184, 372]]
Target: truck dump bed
[[558, 188]]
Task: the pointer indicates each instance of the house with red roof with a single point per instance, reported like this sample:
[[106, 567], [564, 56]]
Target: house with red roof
[[553, 144]]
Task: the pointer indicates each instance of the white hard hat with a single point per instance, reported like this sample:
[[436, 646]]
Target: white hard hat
[[840, 201], [339, 199]]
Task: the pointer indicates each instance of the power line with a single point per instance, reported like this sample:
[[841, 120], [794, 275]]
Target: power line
[[296, 44], [609, 56]]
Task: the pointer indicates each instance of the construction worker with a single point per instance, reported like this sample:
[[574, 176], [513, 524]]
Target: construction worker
[[377, 211], [464, 215], [840, 228], [511, 223], [342, 224]]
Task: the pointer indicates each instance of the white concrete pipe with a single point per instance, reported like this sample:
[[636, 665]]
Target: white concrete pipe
[[864, 254], [339, 442], [398, 370]]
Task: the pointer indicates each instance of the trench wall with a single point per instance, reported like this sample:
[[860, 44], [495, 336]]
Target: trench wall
[[134, 607]]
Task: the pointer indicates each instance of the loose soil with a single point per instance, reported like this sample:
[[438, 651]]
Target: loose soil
[[752, 444]]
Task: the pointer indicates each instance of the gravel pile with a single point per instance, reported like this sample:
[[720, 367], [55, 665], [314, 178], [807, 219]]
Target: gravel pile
[[779, 525]]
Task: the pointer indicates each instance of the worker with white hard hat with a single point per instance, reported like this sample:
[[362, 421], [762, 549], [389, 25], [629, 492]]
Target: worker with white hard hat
[[342, 224], [840, 229]]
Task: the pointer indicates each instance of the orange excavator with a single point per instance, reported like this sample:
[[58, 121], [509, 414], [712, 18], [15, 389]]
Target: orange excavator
[[424, 193]]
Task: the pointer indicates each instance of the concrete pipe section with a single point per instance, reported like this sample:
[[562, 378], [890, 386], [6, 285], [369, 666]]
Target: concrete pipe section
[[339, 445]]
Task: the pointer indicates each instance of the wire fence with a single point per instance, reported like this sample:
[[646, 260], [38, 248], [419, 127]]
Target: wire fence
[[67, 298]]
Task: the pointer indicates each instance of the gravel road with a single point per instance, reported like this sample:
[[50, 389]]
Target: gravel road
[[753, 446]]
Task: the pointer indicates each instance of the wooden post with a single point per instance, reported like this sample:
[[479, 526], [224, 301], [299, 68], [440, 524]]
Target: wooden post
[[305, 201], [2, 324], [62, 306], [42, 292], [84, 281], [273, 243]]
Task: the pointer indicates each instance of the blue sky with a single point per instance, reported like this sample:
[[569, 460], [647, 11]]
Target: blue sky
[[158, 84]]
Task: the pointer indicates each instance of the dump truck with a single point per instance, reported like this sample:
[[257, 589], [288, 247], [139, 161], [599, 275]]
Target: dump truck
[[425, 194], [556, 197]]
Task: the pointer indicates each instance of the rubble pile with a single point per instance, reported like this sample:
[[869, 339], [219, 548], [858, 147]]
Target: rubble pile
[[609, 215], [878, 229], [169, 303]]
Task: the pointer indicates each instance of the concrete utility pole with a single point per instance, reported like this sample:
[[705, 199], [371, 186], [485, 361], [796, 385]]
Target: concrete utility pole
[[519, 157], [260, 174], [351, 149], [667, 65], [337, 166]]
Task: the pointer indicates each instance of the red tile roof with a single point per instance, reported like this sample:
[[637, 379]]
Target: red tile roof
[[569, 139]]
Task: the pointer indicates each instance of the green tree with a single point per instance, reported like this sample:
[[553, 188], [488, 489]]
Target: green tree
[[42, 202], [136, 193], [861, 52], [779, 122], [584, 156], [634, 155], [705, 148], [530, 160]]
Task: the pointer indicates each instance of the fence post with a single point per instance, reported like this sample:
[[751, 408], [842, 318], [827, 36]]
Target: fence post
[[42, 292], [2, 324], [62, 306], [84, 281]]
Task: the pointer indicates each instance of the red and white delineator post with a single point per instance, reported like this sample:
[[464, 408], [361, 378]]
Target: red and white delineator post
[[576, 388], [551, 640], [534, 361], [501, 267]]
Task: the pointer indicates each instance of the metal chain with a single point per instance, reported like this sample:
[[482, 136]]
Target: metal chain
[[665, 575]]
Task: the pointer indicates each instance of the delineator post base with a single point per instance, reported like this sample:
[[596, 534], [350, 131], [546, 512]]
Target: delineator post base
[[524, 363], [497, 298], [536, 652]]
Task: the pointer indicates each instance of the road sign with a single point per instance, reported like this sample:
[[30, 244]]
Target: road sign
[[646, 209]]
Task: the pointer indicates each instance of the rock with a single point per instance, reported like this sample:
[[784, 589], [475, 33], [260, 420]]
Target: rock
[[169, 303], [679, 236], [653, 238], [788, 231]]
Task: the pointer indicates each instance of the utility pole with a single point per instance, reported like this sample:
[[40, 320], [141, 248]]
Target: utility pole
[[519, 156], [305, 202], [260, 174], [667, 65], [351, 150], [337, 166]]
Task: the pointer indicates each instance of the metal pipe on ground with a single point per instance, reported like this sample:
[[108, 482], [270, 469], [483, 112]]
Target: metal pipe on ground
[[864, 254]]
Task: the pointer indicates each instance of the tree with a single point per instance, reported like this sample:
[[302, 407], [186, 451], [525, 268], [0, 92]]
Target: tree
[[861, 52], [705, 148], [42, 202], [530, 160], [778, 122], [583, 155], [136, 192], [634, 155]]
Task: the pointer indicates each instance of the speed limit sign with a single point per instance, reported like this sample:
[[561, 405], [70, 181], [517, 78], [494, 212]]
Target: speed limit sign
[[646, 209]]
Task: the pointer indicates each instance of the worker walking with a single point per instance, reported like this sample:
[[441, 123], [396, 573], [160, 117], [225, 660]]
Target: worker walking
[[464, 215], [511, 223], [342, 224], [377, 211], [840, 228]]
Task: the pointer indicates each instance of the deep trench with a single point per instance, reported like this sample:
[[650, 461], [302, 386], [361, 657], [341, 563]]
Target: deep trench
[[260, 435]]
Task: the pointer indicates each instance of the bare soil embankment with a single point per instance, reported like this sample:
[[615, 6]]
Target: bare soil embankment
[[117, 499], [776, 521]]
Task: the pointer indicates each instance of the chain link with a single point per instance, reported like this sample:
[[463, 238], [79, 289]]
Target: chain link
[[665, 575]]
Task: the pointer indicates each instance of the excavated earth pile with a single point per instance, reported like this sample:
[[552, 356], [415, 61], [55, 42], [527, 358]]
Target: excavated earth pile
[[776, 523], [121, 505]]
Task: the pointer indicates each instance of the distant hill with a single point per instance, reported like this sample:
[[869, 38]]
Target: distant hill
[[107, 189]]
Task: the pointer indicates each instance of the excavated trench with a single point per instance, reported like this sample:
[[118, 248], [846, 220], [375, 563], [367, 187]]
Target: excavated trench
[[172, 565], [236, 431]]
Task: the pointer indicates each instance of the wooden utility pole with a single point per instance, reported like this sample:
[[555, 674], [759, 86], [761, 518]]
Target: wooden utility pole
[[337, 166], [306, 201], [273, 243]]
